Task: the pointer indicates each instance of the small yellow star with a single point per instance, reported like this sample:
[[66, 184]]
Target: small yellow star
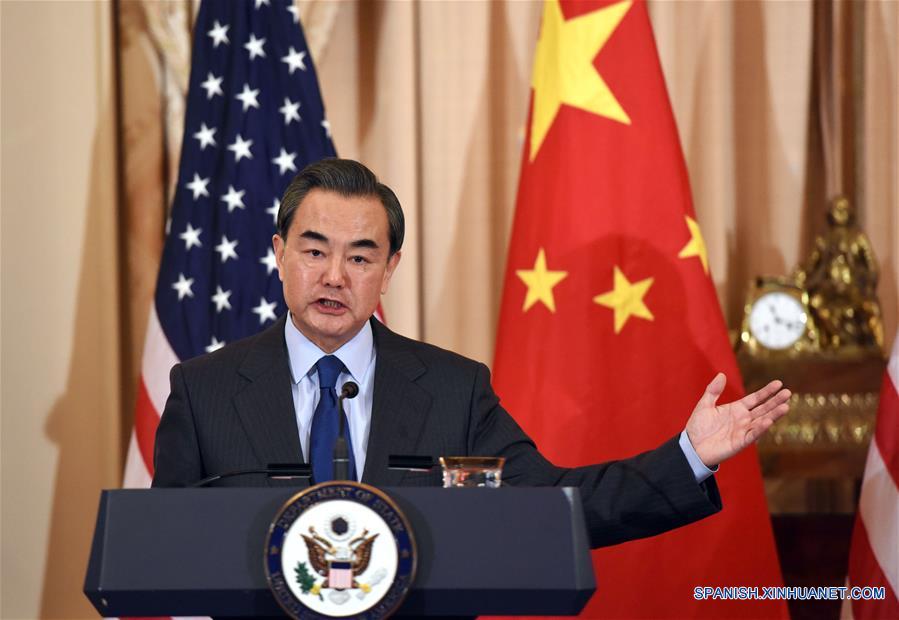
[[540, 283], [626, 299], [696, 245], [564, 71]]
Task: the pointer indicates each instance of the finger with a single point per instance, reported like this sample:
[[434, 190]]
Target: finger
[[751, 401], [760, 425], [714, 389], [758, 428], [774, 415], [775, 401]]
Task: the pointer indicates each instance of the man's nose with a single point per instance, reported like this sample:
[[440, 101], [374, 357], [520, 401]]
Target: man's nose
[[335, 272]]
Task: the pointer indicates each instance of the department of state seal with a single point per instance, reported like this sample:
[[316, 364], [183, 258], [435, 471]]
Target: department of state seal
[[340, 550]]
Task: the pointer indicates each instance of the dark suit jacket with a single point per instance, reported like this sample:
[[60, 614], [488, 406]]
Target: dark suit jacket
[[233, 410]]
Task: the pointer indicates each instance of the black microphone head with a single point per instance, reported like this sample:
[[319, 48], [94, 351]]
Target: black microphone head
[[349, 390]]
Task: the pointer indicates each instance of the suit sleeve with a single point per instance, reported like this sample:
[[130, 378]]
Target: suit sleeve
[[645, 495], [176, 458]]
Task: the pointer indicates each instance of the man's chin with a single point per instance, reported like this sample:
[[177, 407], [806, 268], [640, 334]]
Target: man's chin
[[330, 335]]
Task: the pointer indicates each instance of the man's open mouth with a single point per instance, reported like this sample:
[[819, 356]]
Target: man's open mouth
[[330, 303]]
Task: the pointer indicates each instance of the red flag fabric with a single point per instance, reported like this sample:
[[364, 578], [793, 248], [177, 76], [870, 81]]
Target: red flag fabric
[[874, 555], [610, 328]]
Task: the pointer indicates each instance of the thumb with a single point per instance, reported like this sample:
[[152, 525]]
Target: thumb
[[714, 389]]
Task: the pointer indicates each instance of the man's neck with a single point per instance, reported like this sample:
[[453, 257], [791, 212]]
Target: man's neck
[[303, 352], [326, 347]]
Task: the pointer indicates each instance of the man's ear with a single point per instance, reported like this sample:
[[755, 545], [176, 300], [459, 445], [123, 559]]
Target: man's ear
[[279, 246], [392, 262]]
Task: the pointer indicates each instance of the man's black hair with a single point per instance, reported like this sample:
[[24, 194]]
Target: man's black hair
[[348, 178]]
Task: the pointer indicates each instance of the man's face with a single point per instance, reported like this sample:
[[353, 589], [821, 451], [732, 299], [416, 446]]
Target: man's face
[[334, 266]]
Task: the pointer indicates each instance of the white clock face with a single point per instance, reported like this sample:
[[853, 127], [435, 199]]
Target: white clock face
[[777, 320]]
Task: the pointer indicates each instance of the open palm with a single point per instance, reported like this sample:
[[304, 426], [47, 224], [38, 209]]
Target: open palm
[[718, 432]]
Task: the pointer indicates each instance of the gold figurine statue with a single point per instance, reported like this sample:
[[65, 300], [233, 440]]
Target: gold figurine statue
[[840, 277]]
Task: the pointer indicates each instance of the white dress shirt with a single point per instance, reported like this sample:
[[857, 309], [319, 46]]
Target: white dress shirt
[[358, 356]]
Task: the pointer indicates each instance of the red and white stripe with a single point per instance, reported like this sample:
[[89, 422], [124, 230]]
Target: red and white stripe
[[874, 556], [152, 392]]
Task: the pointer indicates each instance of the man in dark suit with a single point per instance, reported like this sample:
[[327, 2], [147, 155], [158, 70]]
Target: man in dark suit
[[266, 399]]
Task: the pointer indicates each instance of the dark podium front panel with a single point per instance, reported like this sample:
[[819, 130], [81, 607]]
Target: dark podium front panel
[[189, 552]]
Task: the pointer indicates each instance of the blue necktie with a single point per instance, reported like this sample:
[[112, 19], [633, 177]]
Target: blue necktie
[[325, 426]]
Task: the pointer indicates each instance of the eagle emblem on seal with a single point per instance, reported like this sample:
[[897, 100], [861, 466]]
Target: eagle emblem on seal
[[337, 556], [340, 549]]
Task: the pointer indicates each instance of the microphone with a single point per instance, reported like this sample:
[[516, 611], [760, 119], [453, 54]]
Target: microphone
[[341, 453], [349, 390], [275, 471]]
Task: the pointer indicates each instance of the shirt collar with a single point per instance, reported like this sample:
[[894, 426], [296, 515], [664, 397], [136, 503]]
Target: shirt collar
[[356, 354]]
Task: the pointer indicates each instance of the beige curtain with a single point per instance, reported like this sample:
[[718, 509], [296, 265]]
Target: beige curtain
[[879, 179]]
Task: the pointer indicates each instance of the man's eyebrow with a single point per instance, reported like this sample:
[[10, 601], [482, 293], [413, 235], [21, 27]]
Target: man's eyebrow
[[313, 235], [359, 243], [364, 243]]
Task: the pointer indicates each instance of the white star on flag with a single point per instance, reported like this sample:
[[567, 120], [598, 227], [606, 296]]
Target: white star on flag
[[219, 34], [241, 148], [290, 110], [273, 211], [265, 310], [183, 286], [284, 161], [198, 186], [213, 86], [294, 60], [234, 198], [226, 249], [215, 345], [254, 46], [191, 237], [206, 136], [269, 261], [248, 97], [293, 10], [259, 3], [327, 126], [221, 299]]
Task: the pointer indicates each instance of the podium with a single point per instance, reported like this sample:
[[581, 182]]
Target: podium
[[192, 552]]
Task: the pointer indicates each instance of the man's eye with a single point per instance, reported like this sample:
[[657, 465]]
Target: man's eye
[[315, 253], [359, 260]]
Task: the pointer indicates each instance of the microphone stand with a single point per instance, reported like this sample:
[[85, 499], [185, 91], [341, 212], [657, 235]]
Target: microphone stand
[[341, 450], [275, 471]]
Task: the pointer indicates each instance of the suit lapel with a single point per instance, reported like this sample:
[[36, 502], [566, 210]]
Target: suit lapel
[[265, 405], [399, 407]]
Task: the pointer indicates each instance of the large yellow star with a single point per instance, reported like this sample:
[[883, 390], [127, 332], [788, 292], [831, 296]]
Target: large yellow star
[[540, 283], [626, 299], [696, 245], [564, 71]]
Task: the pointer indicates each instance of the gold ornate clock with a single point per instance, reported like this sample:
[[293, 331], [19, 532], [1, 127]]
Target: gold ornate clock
[[818, 330], [777, 322]]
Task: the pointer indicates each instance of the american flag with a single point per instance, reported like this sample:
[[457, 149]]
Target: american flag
[[874, 556], [254, 118]]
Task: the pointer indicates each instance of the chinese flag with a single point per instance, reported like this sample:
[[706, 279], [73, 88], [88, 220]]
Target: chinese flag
[[610, 328]]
